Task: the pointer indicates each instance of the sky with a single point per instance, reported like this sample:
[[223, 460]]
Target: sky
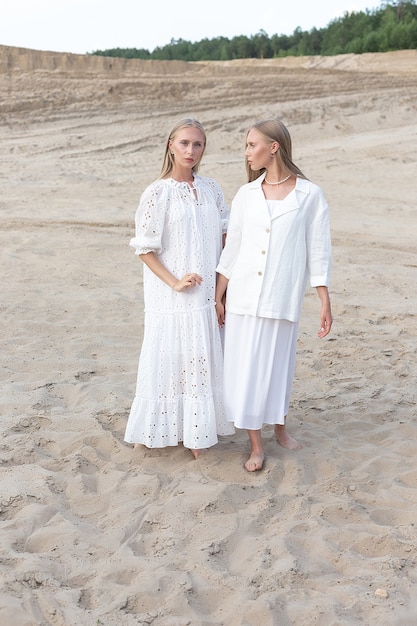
[[83, 26]]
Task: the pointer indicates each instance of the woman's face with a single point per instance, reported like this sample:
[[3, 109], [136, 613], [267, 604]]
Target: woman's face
[[258, 150], [188, 147]]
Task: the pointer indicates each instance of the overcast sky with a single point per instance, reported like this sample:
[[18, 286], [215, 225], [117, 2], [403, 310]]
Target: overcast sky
[[82, 26]]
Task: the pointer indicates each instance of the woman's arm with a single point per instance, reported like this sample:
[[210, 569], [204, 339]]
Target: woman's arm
[[325, 313], [221, 286], [188, 280]]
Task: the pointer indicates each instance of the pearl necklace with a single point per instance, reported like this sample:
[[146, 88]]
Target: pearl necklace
[[279, 182]]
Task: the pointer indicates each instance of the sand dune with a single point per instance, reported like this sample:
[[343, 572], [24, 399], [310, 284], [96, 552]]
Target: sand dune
[[94, 532]]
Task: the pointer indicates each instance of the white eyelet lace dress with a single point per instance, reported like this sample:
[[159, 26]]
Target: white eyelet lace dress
[[179, 383]]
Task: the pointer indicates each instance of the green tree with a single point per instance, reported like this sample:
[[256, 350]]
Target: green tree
[[392, 26]]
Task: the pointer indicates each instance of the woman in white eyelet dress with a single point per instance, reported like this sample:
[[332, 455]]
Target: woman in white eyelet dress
[[180, 224]]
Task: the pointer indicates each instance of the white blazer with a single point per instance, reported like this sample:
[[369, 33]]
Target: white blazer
[[269, 259]]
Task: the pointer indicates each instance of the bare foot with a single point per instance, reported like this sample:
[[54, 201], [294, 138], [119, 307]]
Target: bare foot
[[138, 445], [284, 439], [196, 453], [255, 462]]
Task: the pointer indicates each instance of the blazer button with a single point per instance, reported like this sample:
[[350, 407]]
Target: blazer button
[[259, 273], [263, 252], [267, 230]]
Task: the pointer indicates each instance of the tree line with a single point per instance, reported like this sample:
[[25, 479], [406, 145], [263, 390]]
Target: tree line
[[392, 26]]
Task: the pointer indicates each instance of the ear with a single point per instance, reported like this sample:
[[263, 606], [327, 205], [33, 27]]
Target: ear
[[274, 147]]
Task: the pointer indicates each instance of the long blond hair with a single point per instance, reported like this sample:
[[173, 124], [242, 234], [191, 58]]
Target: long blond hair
[[275, 130], [168, 162]]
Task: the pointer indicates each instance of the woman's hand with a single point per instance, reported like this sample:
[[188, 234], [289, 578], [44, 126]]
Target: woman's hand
[[326, 319], [220, 313], [324, 328], [220, 297], [187, 281]]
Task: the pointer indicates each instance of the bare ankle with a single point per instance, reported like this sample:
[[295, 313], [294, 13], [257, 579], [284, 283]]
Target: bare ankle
[[284, 439]]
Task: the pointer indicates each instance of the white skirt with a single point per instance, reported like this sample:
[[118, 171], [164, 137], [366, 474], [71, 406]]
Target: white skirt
[[179, 383], [259, 365]]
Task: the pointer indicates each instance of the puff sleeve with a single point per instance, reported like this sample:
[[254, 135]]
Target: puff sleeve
[[149, 220]]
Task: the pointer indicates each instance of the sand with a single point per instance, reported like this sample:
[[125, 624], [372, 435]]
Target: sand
[[96, 532]]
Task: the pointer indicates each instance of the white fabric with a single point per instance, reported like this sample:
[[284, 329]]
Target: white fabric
[[259, 364], [179, 384], [269, 258]]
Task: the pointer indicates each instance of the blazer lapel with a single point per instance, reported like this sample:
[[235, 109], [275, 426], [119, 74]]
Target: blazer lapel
[[290, 204]]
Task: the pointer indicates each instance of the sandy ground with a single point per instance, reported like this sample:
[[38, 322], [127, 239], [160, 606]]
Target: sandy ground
[[95, 532]]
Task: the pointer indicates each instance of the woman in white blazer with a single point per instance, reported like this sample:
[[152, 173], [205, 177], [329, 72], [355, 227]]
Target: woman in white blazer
[[278, 241]]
